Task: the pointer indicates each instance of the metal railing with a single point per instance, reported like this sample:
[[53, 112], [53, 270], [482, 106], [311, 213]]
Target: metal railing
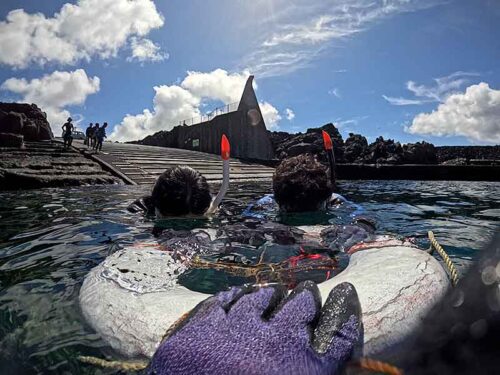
[[231, 107]]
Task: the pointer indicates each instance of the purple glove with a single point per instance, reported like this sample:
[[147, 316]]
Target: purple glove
[[251, 330]]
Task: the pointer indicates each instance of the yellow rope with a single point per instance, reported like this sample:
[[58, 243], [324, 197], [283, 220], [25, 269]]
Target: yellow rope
[[378, 366], [118, 365], [447, 261]]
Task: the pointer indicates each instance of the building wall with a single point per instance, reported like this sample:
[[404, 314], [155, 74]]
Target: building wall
[[247, 141], [244, 127]]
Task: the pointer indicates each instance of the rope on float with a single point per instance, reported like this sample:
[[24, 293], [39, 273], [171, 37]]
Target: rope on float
[[373, 365], [117, 365], [447, 261]]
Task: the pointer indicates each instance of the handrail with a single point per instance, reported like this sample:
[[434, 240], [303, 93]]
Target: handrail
[[231, 107]]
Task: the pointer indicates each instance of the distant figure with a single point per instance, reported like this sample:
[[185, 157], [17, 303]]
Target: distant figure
[[301, 184], [178, 191], [68, 128], [101, 134], [94, 135], [88, 134]]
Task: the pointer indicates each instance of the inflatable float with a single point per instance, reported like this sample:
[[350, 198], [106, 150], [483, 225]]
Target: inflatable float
[[132, 298]]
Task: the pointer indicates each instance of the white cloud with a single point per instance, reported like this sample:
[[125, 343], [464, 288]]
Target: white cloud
[[270, 114], [341, 123], [402, 101], [298, 33], [318, 30], [53, 92], [216, 85], [171, 105], [176, 103], [442, 88], [290, 115], [335, 92], [78, 31], [474, 114], [146, 50]]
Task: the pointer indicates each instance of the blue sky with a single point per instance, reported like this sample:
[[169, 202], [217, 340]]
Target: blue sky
[[408, 70]]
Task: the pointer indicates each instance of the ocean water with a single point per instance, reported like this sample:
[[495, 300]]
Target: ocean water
[[51, 238]]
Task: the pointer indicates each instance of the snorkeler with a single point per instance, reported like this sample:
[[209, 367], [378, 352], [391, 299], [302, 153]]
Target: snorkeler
[[182, 190], [178, 191], [301, 184]]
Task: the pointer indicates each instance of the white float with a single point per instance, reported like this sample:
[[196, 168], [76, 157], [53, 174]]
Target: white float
[[132, 298]]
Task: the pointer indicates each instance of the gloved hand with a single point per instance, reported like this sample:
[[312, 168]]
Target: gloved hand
[[250, 330]]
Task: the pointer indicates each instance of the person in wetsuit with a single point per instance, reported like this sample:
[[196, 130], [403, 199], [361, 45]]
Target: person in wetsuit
[[68, 128], [301, 184], [179, 191]]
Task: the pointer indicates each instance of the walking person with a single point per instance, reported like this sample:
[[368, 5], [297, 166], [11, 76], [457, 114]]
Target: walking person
[[88, 135], [94, 136], [101, 134], [68, 128]]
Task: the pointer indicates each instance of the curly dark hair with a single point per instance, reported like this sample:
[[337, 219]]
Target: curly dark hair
[[181, 190], [301, 184]]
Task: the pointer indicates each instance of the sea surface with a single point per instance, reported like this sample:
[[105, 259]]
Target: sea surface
[[51, 238]]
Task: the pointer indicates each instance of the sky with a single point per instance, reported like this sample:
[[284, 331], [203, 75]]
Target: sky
[[410, 70]]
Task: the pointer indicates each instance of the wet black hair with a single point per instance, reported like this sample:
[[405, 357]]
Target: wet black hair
[[180, 191], [301, 184]]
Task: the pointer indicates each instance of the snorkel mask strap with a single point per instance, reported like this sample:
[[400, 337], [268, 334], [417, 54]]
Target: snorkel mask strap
[[225, 150], [327, 141]]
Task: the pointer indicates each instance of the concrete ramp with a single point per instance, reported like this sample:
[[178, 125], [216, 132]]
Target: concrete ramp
[[138, 164]]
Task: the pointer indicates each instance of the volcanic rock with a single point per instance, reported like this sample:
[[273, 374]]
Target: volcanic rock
[[419, 153], [355, 146], [303, 148], [46, 164], [309, 142], [445, 153], [11, 122], [11, 140], [25, 119], [383, 152]]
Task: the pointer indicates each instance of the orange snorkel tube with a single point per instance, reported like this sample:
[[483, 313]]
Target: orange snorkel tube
[[327, 141], [225, 151]]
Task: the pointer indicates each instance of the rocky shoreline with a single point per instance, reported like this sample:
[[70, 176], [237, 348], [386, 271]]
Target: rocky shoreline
[[48, 164], [30, 158], [356, 150]]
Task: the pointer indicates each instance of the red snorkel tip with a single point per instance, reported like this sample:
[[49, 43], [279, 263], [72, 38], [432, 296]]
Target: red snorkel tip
[[327, 141], [225, 148]]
